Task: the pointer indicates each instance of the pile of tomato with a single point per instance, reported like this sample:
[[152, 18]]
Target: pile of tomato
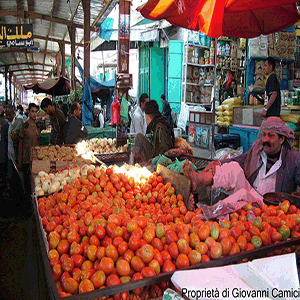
[[105, 229]]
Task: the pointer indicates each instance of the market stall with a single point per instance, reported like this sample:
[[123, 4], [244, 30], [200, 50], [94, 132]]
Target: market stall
[[123, 231], [93, 132]]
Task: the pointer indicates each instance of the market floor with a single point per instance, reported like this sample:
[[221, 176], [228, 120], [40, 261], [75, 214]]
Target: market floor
[[21, 266]]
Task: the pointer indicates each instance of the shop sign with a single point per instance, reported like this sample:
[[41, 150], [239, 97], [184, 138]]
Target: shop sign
[[150, 35], [18, 35]]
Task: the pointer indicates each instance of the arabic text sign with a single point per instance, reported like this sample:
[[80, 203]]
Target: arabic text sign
[[18, 35]]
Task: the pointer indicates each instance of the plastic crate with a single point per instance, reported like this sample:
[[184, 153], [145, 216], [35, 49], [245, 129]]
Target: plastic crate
[[113, 157]]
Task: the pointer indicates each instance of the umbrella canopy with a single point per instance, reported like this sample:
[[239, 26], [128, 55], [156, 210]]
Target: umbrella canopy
[[234, 18], [52, 86]]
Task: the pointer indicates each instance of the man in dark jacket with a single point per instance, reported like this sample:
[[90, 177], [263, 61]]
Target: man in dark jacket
[[74, 130], [161, 135], [3, 149], [166, 110], [271, 165], [57, 120]]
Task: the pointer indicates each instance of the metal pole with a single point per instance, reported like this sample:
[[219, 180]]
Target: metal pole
[[213, 116]]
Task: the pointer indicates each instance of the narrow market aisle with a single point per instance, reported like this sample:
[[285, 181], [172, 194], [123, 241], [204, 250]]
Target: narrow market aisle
[[21, 266]]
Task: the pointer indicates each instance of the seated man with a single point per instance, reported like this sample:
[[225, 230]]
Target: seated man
[[161, 135], [269, 166]]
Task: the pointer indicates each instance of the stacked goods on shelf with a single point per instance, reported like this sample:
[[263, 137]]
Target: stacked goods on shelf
[[119, 225], [225, 111], [292, 121], [282, 44]]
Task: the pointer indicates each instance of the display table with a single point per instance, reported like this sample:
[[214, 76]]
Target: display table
[[93, 132], [248, 134]]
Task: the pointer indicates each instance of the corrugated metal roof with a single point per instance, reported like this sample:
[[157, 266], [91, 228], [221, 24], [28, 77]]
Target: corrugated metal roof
[[50, 20]]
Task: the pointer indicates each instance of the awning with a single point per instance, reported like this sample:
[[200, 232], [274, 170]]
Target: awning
[[52, 86]]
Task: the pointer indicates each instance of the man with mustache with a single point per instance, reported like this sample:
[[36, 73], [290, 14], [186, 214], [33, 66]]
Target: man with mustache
[[271, 165]]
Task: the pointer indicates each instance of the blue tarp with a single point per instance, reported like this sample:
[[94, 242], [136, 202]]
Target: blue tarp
[[87, 105], [95, 84], [106, 29]]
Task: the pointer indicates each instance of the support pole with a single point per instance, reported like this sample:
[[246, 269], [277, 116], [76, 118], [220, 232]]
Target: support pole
[[71, 30], [87, 19], [63, 59]]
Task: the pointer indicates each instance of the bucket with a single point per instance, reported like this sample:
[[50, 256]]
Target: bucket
[[177, 132]]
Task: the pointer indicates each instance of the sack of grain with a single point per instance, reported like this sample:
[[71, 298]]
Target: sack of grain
[[289, 118]]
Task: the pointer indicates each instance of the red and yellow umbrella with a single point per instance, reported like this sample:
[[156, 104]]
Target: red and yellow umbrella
[[234, 18]]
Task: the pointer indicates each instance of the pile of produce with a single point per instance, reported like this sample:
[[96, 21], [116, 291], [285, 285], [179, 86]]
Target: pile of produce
[[101, 146], [54, 182], [107, 228], [57, 153]]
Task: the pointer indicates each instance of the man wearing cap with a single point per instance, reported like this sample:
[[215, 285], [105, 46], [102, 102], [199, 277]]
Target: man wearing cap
[[271, 165], [161, 135]]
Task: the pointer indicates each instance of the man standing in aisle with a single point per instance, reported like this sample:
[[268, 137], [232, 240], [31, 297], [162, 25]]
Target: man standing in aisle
[[13, 143], [166, 110], [74, 130], [272, 96], [57, 120], [29, 137], [138, 122]]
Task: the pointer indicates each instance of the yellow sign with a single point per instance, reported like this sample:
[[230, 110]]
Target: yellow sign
[[16, 35]]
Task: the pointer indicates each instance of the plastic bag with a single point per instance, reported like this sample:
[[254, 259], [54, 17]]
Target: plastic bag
[[161, 160], [227, 153], [177, 166], [183, 116], [115, 111], [230, 204]]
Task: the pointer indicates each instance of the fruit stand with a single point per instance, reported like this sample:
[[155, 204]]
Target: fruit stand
[[123, 231]]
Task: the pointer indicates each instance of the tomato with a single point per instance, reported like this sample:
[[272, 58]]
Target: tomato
[[123, 267], [112, 252], [204, 232], [183, 246], [147, 253], [57, 272], [216, 251], [166, 255], [284, 230], [154, 264], [171, 236], [242, 242], [256, 241], [92, 252], [201, 247], [265, 238], [106, 265], [285, 205], [182, 261], [173, 250], [235, 232], [134, 243], [210, 242], [63, 247], [226, 245], [235, 249], [137, 263], [194, 257], [77, 260], [168, 266], [71, 286]]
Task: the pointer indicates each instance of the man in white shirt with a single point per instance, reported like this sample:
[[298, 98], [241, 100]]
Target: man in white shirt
[[271, 165], [138, 121]]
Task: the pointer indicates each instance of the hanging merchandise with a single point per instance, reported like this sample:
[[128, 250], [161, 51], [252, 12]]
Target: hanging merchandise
[[115, 111]]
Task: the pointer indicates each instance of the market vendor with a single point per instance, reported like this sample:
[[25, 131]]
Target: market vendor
[[161, 135], [271, 165], [57, 120], [74, 130]]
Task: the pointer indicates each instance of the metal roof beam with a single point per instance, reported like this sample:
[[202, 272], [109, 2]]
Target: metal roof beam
[[45, 38], [31, 15]]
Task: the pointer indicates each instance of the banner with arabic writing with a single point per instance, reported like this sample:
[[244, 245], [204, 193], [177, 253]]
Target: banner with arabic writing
[[18, 35]]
